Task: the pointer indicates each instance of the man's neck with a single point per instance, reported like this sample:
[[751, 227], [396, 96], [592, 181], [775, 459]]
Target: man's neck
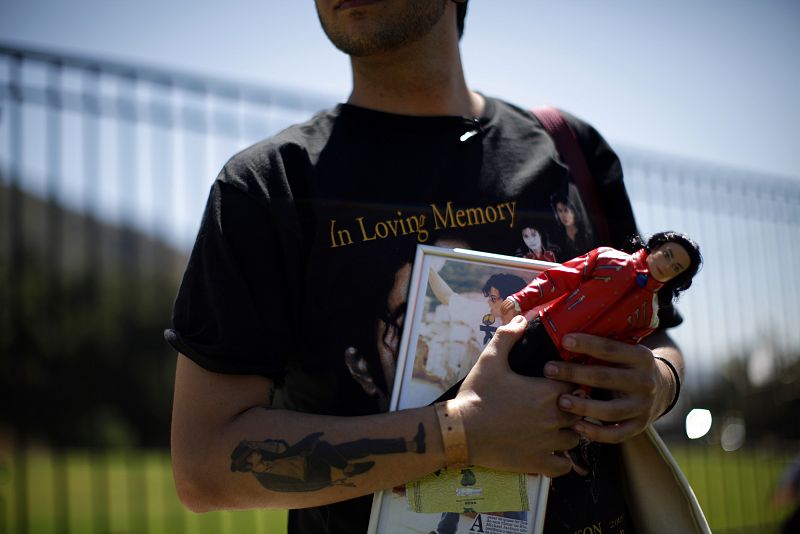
[[414, 81]]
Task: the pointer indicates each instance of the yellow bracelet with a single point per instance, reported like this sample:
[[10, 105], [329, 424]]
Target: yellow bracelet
[[454, 438]]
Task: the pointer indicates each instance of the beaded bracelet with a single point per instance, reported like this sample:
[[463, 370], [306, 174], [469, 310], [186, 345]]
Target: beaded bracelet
[[454, 438], [677, 385]]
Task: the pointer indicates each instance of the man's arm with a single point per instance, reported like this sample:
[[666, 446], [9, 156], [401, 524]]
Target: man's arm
[[643, 386], [219, 421], [215, 414]]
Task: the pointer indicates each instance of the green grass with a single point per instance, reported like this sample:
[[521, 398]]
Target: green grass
[[735, 488], [133, 492], [115, 493]]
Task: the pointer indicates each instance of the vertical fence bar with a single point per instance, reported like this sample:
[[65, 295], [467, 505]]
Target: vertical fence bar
[[690, 196], [8, 367], [127, 246], [699, 451], [17, 261], [779, 199], [54, 267], [723, 192], [162, 168], [91, 113], [128, 189], [791, 211], [54, 219], [91, 173], [762, 219], [3, 514], [739, 220]]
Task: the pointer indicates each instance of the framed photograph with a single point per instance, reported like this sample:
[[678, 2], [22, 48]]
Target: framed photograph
[[453, 310]]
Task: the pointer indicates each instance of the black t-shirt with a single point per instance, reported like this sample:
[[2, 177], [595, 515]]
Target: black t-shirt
[[321, 223]]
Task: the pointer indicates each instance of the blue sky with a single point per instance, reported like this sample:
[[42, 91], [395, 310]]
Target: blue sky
[[713, 80]]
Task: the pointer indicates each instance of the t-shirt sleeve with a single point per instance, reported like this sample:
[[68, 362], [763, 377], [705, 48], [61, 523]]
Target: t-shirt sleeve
[[606, 169], [230, 312]]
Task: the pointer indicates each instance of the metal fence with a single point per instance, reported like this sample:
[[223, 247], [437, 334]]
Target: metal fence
[[104, 169]]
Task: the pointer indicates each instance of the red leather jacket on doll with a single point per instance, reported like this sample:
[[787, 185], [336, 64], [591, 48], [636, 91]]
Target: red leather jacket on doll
[[605, 292]]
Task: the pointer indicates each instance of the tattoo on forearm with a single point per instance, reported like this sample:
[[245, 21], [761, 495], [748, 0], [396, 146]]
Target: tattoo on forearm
[[314, 463]]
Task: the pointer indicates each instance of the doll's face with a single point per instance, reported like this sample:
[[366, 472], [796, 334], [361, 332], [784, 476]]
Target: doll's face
[[668, 261], [532, 238]]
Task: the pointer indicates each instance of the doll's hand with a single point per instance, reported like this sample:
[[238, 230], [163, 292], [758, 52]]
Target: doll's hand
[[507, 310], [640, 388]]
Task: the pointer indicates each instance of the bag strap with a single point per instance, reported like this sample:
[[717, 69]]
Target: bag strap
[[567, 145]]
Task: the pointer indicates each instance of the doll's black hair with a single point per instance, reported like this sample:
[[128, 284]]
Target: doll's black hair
[[683, 281]]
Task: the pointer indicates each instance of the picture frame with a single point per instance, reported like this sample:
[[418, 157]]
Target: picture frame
[[448, 321]]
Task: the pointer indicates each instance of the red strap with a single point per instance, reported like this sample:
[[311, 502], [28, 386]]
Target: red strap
[[567, 145]]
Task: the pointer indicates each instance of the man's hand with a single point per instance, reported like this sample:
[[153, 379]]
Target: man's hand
[[642, 387], [513, 422]]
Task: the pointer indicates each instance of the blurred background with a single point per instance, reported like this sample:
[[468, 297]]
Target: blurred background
[[115, 116]]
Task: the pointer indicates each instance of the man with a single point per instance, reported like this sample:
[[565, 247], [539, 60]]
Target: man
[[303, 257]]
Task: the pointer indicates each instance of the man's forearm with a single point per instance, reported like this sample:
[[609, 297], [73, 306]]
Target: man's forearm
[[269, 459]]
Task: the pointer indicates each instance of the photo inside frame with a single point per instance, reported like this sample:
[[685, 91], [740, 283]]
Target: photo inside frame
[[455, 314], [452, 313]]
